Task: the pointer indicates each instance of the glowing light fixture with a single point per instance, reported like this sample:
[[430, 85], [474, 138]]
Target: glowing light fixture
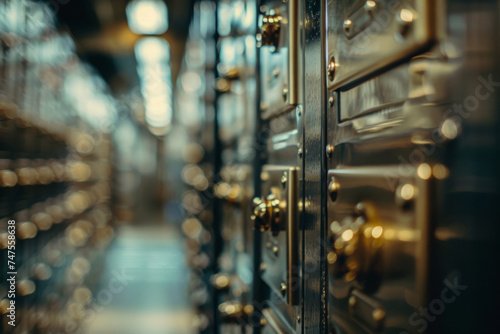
[[153, 55], [147, 17], [152, 50]]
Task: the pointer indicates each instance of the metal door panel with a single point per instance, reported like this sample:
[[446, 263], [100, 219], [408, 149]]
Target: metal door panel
[[365, 37]]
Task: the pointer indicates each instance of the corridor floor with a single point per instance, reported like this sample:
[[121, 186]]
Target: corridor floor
[[142, 289]]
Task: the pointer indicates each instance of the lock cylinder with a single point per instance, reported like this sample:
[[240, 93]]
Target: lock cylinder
[[266, 214]]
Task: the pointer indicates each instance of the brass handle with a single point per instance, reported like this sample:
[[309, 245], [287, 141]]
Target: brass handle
[[227, 76], [356, 247], [265, 215], [260, 217], [233, 311], [271, 27]]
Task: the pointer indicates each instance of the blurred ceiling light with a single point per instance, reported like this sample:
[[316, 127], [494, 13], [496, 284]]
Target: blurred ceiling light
[[191, 81], [152, 50], [147, 17], [158, 111], [225, 16]]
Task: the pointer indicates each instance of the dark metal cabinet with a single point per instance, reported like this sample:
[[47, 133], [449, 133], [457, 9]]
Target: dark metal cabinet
[[374, 166]]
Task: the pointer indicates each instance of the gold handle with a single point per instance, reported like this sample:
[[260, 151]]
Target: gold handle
[[270, 31], [265, 215]]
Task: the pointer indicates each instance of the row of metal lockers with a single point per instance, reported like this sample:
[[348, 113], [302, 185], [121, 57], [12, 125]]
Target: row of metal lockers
[[336, 164], [350, 166], [55, 174]]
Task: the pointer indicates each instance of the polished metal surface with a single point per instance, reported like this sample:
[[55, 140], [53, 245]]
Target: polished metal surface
[[280, 240], [326, 167], [280, 57], [398, 136], [368, 130], [313, 318], [365, 37], [379, 240]]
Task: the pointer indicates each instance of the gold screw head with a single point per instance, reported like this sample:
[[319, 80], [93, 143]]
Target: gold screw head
[[378, 315], [275, 250], [405, 20], [352, 301], [8, 178], [329, 150], [333, 189], [284, 179], [331, 101], [370, 7], [347, 26], [332, 66], [270, 34]]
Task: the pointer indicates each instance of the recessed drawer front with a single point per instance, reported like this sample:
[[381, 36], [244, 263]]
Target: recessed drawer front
[[276, 216], [280, 57], [378, 238], [364, 37]]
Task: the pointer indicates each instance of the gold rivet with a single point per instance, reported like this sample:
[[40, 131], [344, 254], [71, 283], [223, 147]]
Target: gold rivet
[[352, 301], [329, 150], [275, 250], [333, 189], [42, 220], [378, 315], [331, 69], [424, 171], [26, 230], [8, 178], [26, 287], [332, 257], [221, 282]]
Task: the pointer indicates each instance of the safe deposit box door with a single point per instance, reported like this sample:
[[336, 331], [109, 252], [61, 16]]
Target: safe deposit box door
[[276, 215], [280, 57], [378, 237], [364, 37]]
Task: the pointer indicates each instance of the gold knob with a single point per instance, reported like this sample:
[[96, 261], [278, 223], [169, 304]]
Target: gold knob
[[234, 310], [42, 220], [221, 281], [56, 212], [230, 73], [26, 287], [26, 230], [41, 271], [78, 171], [45, 174], [27, 176], [357, 242], [222, 85], [4, 305], [8, 178], [271, 26], [261, 219], [235, 194], [231, 309], [266, 214], [4, 240], [333, 189]]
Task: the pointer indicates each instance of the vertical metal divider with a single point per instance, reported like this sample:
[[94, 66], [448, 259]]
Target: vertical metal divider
[[324, 170], [301, 163], [313, 215], [259, 161]]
